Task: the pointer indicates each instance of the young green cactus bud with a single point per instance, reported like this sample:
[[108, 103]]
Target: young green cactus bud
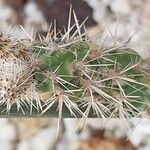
[[99, 82]]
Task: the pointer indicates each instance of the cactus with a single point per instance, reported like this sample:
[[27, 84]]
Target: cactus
[[67, 75]]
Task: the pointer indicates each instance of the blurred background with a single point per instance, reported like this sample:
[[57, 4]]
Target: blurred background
[[114, 20]]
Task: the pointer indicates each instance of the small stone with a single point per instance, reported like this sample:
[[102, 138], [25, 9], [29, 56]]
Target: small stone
[[44, 140], [7, 131], [6, 146]]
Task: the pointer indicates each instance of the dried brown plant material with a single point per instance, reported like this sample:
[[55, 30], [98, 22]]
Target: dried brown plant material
[[106, 144], [98, 141]]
